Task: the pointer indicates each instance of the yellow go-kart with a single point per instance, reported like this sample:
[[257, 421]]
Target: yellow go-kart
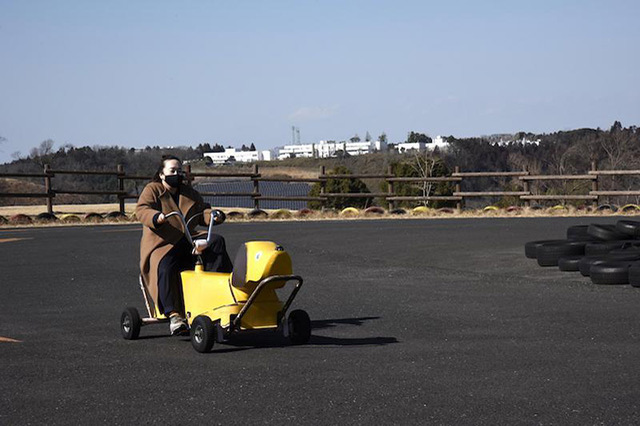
[[219, 305]]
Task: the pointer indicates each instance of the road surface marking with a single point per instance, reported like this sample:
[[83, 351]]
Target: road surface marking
[[10, 240], [122, 230]]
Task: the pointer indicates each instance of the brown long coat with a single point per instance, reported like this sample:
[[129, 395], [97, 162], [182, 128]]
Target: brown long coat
[[157, 241]]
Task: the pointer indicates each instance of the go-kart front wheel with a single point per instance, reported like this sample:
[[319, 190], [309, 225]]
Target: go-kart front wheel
[[130, 323], [203, 334], [299, 327]]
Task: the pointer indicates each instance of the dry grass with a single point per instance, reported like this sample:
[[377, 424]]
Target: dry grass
[[66, 209], [294, 172], [82, 209]]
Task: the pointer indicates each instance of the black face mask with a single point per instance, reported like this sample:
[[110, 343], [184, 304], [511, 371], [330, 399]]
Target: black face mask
[[173, 180]]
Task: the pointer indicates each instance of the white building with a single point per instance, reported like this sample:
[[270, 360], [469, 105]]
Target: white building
[[231, 155], [327, 149], [437, 142], [296, 151], [413, 146]]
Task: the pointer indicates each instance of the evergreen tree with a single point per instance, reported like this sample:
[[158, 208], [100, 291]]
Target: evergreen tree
[[340, 186]]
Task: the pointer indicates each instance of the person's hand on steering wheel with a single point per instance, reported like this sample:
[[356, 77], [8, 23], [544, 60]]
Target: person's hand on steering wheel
[[199, 246]]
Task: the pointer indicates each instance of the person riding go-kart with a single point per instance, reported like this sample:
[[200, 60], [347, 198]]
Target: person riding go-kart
[[216, 302]]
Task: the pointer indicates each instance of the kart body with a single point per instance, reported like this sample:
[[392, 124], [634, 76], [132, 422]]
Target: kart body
[[218, 305]]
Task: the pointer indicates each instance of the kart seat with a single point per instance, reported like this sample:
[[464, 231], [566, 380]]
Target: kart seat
[[257, 260], [239, 274]]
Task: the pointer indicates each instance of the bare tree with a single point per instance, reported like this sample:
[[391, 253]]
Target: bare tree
[[618, 146], [41, 154], [425, 165]]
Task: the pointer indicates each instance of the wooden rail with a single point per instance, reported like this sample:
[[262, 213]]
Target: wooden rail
[[489, 174], [524, 178]]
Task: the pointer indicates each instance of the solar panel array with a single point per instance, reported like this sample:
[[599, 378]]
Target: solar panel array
[[276, 189]]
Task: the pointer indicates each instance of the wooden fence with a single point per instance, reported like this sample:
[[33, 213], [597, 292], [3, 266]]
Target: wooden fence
[[524, 177]]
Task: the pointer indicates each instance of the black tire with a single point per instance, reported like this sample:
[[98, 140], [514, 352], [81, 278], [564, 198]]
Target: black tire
[[299, 327], [588, 262], [115, 215], [130, 323], [584, 266], [634, 274], [531, 248], [569, 263], [627, 250], [47, 217], [611, 273], [578, 233], [257, 213], [549, 254], [605, 232], [203, 334], [398, 211], [629, 227], [604, 247]]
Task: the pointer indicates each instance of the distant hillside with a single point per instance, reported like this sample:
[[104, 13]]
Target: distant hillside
[[565, 152]]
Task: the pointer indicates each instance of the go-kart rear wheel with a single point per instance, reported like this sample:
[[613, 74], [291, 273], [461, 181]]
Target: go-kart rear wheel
[[203, 334], [130, 323], [299, 327]]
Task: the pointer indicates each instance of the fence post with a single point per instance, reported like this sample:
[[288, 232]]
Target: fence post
[[256, 188], [47, 188], [458, 189], [594, 183], [121, 187], [187, 172], [390, 189], [323, 186], [525, 186]]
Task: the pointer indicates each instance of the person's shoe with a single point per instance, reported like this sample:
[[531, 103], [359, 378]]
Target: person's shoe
[[177, 325]]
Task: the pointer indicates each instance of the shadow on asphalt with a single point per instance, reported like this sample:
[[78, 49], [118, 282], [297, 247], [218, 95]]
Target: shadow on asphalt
[[255, 340], [329, 323], [262, 339]]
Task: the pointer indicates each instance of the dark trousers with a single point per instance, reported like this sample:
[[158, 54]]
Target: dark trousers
[[179, 258]]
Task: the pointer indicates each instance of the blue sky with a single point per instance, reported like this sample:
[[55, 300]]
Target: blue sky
[[185, 72]]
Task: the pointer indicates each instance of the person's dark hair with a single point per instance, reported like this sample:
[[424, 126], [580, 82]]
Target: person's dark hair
[[165, 158]]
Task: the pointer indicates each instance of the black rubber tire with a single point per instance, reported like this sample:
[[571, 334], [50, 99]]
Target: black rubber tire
[[203, 334], [615, 272], [584, 266], [629, 227], [605, 232], [531, 248], [115, 215], [569, 263], [549, 254], [50, 217], [634, 274], [398, 211], [604, 247], [626, 251], [578, 233], [130, 324], [610, 207], [588, 262], [257, 213], [299, 327]]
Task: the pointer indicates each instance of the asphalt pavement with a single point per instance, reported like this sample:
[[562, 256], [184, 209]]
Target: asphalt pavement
[[414, 322]]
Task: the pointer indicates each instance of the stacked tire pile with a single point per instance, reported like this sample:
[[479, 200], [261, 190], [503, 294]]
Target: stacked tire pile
[[608, 254]]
